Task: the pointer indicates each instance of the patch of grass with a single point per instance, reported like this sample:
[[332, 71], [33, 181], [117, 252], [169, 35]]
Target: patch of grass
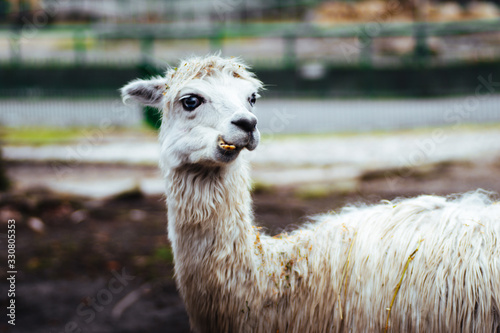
[[163, 254], [320, 191], [259, 188], [69, 43], [313, 192], [39, 136]]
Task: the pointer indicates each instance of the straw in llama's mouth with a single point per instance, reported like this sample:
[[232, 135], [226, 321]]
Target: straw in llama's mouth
[[226, 146]]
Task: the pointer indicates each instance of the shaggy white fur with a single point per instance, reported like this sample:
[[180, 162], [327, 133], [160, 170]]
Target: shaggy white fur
[[427, 264]]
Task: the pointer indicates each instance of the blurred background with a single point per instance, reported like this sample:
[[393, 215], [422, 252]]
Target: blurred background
[[365, 100]]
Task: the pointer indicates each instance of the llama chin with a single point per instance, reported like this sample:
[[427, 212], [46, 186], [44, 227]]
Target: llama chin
[[426, 264]]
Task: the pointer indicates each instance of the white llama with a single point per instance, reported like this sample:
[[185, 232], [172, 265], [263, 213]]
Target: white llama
[[428, 264]]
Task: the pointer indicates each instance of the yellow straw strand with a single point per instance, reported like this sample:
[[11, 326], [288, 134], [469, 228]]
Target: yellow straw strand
[[398, 286]]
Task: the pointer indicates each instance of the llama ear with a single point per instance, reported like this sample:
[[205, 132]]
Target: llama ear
[[147, 92]]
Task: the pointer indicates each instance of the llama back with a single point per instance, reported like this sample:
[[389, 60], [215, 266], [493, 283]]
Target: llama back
[[423, 264]]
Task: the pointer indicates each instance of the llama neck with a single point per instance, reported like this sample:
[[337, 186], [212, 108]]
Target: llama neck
[[209, 212]]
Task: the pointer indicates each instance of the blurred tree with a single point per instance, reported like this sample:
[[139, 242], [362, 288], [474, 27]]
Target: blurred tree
[[152, 117]]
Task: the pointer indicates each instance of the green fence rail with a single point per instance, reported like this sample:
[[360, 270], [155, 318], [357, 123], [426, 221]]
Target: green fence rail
[[218, 35], [353, 81]]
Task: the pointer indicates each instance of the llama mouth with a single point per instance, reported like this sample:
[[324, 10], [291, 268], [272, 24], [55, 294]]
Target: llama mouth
[[226, 146]]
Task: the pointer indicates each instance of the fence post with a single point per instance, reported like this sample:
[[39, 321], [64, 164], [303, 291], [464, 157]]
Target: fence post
[[422, 51], [79, 40], [290, 56], [15, 47], [365, 53]]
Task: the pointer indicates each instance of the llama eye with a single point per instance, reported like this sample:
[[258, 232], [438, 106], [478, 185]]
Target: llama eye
[[191, 102], [252, 99]]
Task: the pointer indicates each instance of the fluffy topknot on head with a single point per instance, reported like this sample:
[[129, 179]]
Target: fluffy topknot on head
[[200, 67], [162, 90], [206, 67]]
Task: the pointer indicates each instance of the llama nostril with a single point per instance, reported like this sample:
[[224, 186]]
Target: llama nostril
[[246, 124]]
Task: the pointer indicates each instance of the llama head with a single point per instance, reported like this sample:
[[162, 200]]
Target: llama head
[[207, 106]]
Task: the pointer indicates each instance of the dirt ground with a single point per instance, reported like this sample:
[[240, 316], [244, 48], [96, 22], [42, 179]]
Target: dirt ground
[[87, 265]]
